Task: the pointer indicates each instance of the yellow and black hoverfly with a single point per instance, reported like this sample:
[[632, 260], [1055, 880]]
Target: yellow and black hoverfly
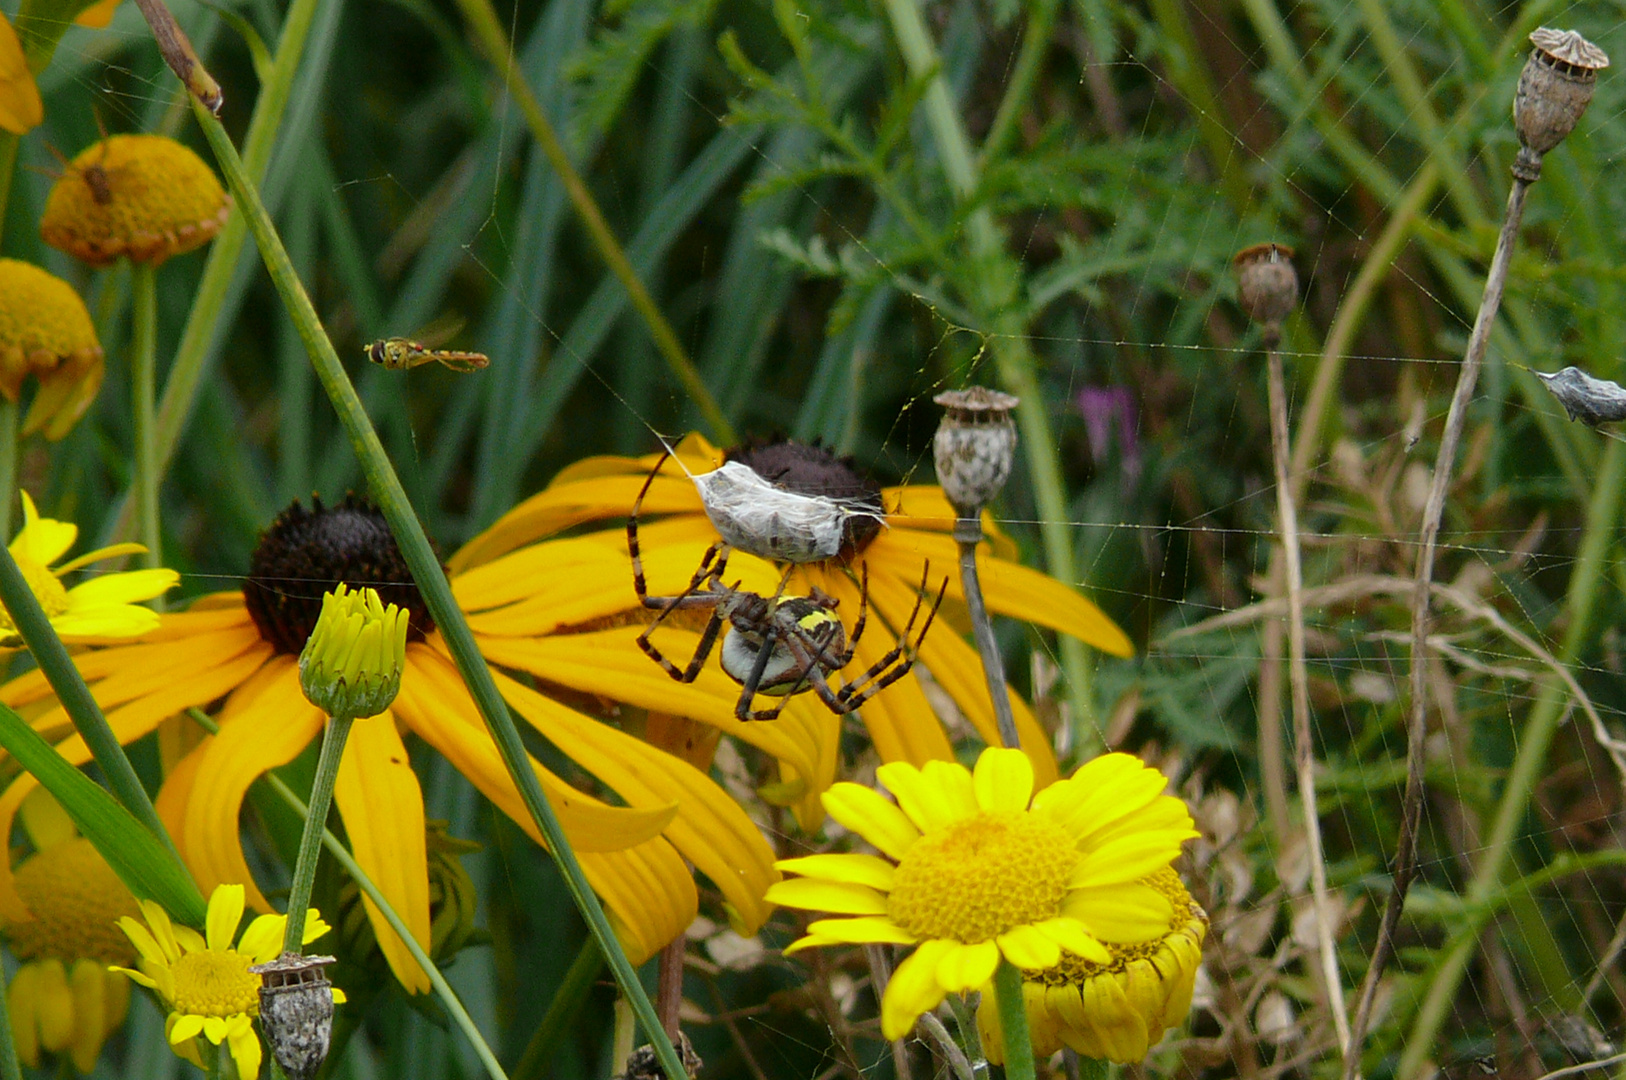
[[400, 354]]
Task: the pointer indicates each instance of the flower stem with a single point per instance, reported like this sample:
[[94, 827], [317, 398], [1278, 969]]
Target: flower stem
[[143, 382], [69, 686], [8, 460], [1299, 681], [967, 534], [429, 577], [1013, 1021], [310, 842], [482, 19], [1405, 859]]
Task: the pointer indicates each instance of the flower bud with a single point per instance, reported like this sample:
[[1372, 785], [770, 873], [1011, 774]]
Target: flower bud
[[974, 447], [351, 664], [296, 1011], [1267, 286], [1554, 90]]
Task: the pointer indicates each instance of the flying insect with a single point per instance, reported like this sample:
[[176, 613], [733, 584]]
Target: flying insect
[[403, 354]]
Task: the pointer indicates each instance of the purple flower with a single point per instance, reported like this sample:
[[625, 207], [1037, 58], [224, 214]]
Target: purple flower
[[1109, 408]]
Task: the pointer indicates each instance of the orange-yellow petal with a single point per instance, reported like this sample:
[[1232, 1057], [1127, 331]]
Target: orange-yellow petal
[[20, 105]]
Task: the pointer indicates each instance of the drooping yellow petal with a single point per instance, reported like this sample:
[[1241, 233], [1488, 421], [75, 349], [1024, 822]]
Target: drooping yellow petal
[[88, 982], [834, 897], [22, 1003], [382, 805], [54, 1003], [266, 723], [1121, 1029], [872, 816], [914, 989], [710, 828], [44, 820]]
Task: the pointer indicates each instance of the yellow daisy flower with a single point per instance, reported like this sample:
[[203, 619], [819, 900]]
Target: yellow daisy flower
[[203, 980], [146, 197], [105, 608], [675, 532], [46, 332], [20, 105], [981, 867], [63, 998], [1115, 1011], [242, 649]]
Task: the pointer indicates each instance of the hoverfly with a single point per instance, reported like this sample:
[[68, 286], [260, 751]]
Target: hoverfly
[[400, 354]]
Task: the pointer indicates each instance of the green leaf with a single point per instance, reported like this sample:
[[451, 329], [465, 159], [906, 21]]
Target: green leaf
[[139, 859]]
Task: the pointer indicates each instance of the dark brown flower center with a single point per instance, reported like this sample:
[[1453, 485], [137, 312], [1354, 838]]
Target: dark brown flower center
[[305, 553], [813, 470]]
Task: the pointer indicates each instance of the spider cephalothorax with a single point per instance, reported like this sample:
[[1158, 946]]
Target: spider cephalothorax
[[777, 645]]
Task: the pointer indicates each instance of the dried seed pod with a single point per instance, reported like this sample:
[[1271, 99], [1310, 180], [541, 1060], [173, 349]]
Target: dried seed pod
[[974, 447], [296, 1011], [1267, 286], [1591, 401], [1555, 88], [642, 1064]]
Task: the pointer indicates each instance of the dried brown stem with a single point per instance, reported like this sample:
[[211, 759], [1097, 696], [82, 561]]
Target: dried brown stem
[[1405, 858], [1299, 682], [178, 53]]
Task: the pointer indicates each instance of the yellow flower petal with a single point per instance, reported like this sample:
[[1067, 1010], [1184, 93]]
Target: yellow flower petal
[[1029, 947], [88, 981], [1121, 1029], [54, 1005], [187, 1026], [20, 105], [966, 967], [225, 912], [1071, 935], [245, 1050], [382, 805], [921, 800], [914, 989], [1003, 779], [97, 16], [125, 587], [872, 816], [869, 870], [837, 898], [863, 930], [1122, 914], [262, 941], [22, 1003]]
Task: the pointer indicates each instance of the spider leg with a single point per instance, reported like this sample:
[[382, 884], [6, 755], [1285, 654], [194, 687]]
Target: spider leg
[[882, 673], [708, 639], [632, 532], [748, 689], [814, 656], [863, 605]]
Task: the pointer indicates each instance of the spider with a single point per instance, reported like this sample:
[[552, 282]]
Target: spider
[[776, 645]]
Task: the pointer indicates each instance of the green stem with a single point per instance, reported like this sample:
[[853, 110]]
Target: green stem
[[998, 278], [567, 1002], [482, 19], [8, 165], [186, 372], [342, 856], [1013, 1021], [75, 696], [1592, 561], [143, 383], [428, 575], [8, 463], [1024, 76], [310, 842]]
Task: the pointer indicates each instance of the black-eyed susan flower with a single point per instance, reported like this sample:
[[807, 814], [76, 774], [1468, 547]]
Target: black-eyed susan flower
[[203, 980], [1116, 1010], [62, 924], [974, 867], [46, 332], [144, 197], [916, 528], [106, 607], [242, 648]]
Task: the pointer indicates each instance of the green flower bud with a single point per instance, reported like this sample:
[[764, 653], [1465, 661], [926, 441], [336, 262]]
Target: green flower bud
[[351, 665]]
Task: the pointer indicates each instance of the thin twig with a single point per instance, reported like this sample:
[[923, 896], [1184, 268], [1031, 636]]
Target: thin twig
[[880, 972], [1299, 680], [933, 1031], [967, 534], [1571, 1070]]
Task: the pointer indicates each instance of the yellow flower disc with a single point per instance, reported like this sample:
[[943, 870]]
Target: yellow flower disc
[[43, 325], [76, 900], [215, 982], [982, 876], [142, 196]]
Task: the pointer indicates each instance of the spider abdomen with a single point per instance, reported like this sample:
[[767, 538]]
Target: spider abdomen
[[820, 645]]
